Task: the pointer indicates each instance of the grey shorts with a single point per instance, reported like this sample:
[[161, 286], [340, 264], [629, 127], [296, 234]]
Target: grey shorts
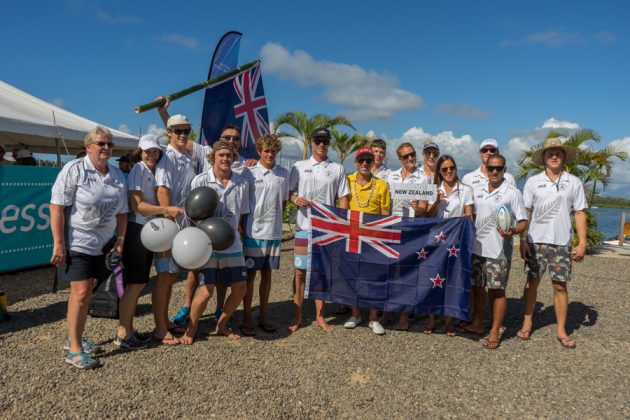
[[556, 258], [490, 273]]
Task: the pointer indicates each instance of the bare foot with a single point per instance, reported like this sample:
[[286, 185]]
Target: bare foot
[[227, 332], [321, 323], [189, 336], [297, 323]]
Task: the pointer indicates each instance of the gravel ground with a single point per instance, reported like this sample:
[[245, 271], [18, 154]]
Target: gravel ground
[[344, 374]]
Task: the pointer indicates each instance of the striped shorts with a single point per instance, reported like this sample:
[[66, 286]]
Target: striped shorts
[[300, 249], [227, 268], [261, 253]]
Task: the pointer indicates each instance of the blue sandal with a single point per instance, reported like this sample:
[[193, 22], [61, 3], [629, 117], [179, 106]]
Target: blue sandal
[[88, 347], [83, 362]]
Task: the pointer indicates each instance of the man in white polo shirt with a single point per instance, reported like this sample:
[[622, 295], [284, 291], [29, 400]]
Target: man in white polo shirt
[[379, 169], [492, 249], [409, 173], [315, 179], [550, 198], [268, 194], [479, 177], [226, 266]]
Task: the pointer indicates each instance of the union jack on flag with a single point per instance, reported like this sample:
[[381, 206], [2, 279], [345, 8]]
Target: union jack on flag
[[409, 264], [237, 101]]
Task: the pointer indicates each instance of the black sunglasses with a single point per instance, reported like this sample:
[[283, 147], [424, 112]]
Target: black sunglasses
[[361, 161], [180, 131], [488, 149], [103, 144], [228, 138], [320, 141], [495, 168], [408, 155], [445, 169]]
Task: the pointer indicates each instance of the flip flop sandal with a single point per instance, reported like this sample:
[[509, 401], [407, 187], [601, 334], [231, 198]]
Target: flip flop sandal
[[491, 344], [84, 361], [247, 331], [523, 335], [268, 328], [564, 342]]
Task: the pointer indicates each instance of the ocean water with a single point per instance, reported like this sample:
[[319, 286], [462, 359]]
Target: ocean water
[[608, 220]]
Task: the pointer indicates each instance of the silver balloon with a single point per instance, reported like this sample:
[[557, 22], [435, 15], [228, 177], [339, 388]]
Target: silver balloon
[[191, 248], [157, 234]]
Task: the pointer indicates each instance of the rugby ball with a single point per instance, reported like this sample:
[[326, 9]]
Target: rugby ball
[[504, 219]]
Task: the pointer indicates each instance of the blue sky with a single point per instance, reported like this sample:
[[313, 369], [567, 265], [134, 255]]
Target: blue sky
[[458, 71]]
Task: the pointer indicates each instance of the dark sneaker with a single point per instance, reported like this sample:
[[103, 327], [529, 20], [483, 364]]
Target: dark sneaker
[[131, 343], [142, 337]]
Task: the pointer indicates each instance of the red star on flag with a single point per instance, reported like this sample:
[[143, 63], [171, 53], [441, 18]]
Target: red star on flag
[[437, 281], [452, 252], [440, 237], [422, 254]]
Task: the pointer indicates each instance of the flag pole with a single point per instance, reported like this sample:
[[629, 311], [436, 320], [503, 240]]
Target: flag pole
[[195, 88]]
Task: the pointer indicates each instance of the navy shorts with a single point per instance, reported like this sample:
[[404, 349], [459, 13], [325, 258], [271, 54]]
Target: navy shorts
[[136, 258], [80, 266]]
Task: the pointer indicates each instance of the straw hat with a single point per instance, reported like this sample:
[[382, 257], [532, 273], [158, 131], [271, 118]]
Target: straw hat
[[554, 143]]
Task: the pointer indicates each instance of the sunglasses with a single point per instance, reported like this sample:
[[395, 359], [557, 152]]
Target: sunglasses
[[434, 154], [103, 144], [320, 141], [488, 149], [180, 131], [367, 161], [411, 155], [228, 138], [495, 168], [446, 169]]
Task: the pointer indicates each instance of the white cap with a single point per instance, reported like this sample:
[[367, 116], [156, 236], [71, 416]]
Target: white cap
[[177, 119], [149, 141], [489, 142]]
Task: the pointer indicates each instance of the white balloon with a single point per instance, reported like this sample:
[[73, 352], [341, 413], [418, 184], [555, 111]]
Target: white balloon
[[191, 248], [157, 234]]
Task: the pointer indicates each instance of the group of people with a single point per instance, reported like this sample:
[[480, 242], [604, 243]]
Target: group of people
[[92, 202], [22, 157]]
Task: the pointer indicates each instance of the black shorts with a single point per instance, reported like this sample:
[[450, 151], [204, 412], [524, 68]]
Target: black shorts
[[80, 266], [136, 258]]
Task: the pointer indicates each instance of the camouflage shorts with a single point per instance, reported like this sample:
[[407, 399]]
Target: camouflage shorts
[[555, 257], [488, 272]]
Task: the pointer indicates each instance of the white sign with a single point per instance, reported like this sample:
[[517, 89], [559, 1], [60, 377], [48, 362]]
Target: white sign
[[426, 192]]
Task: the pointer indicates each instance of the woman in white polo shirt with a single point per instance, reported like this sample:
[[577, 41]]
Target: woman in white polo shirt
[[454, 200], [92, 195], [136, 258]]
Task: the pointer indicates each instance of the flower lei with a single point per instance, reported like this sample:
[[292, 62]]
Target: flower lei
[[356, 196]]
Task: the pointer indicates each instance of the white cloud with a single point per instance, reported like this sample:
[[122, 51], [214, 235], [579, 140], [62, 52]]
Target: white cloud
[[621, 170], [187, 42], [58, 102], [124, 128], [557, 39], [116, 19], [365, 94], [463, 110], [553, 123]]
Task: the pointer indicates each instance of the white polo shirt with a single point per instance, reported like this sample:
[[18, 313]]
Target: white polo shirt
[[233, 201], [94, 200], [552, 204], [176, 171], [382, 172], [402, 207], [316, 181], [488, 243], [476, 179], [453, 205], [268, 190], [142, 179]]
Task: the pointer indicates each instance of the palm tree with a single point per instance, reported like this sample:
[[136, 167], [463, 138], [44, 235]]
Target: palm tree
[[345, 144], [303, 126]]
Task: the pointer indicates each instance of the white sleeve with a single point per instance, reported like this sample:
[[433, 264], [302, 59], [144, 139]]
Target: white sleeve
[[528, 194], [579, 198], [124, 201], [163, 173], [196, 182], [343, 189], [245, 198], [294, 179], [200, 154], [510, 179], [285, 187], [134, 180], [518, 206], [65, 186], [468, 195]]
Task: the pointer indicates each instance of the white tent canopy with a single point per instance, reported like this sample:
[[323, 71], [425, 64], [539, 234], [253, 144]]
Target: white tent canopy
[[29, 121]]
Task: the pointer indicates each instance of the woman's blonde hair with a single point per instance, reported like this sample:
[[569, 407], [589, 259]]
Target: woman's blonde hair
[[98, 130]]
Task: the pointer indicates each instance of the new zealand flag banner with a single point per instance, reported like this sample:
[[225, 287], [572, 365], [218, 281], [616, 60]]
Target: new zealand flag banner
[[390, 263]]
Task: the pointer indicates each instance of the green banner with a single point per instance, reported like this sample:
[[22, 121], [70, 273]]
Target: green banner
[[25, 216]]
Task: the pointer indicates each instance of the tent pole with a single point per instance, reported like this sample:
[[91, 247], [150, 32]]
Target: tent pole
[[57, 149]]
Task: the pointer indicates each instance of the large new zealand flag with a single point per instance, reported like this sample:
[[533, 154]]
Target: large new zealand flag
[[390, 263]]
